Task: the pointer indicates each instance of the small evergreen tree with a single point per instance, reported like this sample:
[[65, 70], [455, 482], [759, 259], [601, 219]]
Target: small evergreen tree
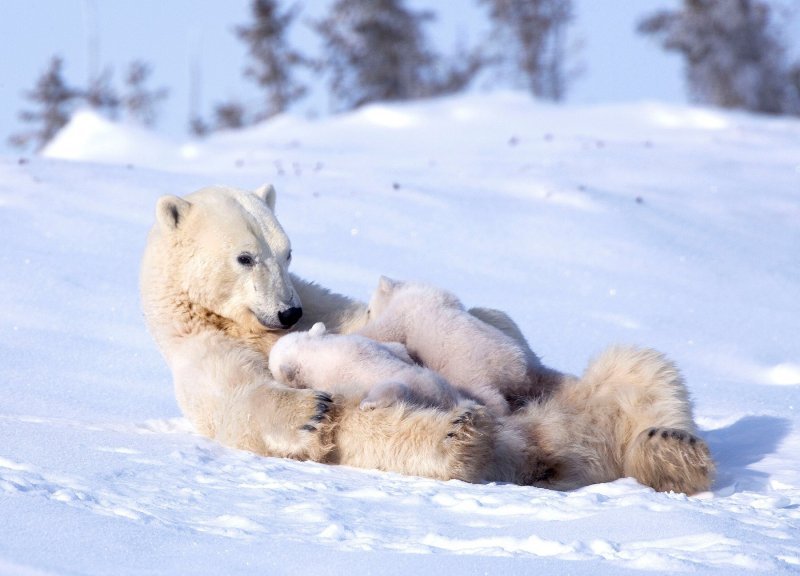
[[54, 101], [529, 40], [101, 95], [734, 56], [139, 102], [230, 116], [198, 126], [271, 58], [455, 73], [375, 51]]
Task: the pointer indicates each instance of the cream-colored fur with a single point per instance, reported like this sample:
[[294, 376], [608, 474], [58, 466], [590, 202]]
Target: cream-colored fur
[[216, 320], [348, 364], [629, 415], [478, 359]]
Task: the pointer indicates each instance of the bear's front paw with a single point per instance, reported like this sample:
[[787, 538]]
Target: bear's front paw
[[323, 404], [469, 442], [671, 459], [464, 423], [314, 424]]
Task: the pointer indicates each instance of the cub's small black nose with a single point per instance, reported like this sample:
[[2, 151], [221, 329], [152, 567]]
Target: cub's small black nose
[[290, 316]]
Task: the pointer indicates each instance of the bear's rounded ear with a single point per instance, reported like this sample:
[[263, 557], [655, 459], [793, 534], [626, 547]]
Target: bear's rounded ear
[[317, 329], [267, 194], [171, 210], [386, 285]]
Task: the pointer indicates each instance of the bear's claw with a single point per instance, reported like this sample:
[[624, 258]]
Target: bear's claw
[[323, 409], [671, 459], [469, 443], [464, 419]]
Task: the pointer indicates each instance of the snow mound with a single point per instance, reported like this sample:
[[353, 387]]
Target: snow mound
[[90, 137], [664, 226]]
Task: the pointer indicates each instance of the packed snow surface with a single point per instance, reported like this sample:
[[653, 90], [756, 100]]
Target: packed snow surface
[[671, 227]]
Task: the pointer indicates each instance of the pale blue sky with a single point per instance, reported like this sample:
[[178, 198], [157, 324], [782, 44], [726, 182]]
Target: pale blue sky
[[619, 64]]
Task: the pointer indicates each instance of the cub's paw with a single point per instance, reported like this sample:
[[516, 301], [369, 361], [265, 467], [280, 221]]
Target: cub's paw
[[375, 403], [671, 459], [384, 395]]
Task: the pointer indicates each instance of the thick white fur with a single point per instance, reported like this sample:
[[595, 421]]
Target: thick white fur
[[480, 360], [349, 364], [629, 415], [216, 322]]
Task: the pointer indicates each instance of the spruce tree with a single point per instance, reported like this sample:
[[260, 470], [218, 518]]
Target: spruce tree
[[529, 43], [230, 116], [734, 56], [272, 60], [140, 102], [375, 50], [54, 101], [101, 96]]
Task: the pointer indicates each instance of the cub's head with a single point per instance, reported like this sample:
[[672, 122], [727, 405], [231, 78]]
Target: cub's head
[[409, 297], [287, 354], [382, 296], [227, 253]]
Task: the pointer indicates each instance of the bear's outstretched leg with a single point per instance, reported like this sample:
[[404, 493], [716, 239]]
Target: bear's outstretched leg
[[670, 459], [638, 400], [629, 415], [429, 442]]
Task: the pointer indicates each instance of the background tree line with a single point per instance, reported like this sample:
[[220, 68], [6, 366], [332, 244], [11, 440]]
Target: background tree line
[[734, 53]]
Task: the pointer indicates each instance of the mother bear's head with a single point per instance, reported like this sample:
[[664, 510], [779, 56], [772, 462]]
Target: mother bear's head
[[224, 250]]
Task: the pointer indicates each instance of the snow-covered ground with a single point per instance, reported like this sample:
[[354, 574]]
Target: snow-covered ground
[[672, 227]]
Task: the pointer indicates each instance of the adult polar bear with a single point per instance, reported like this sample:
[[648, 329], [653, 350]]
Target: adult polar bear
[[217, 294]]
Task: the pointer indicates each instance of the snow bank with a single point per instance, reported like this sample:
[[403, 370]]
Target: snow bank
[[657, 225], [90, 137]]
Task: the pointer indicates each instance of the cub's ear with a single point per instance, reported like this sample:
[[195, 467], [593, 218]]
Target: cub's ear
[[288, 373], [317, 329], [267, 194], [171, 210], [386, 285]]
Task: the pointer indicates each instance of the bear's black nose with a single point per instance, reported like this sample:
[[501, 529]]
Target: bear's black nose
[[290, 316]]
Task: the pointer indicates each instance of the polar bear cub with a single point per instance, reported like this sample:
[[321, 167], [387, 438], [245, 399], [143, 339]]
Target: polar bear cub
[[352, 365], [475, 357]]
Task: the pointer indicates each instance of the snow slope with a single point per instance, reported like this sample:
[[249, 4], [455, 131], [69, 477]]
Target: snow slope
[[673, 227]]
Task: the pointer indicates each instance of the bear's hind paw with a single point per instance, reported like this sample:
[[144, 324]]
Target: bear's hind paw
[[670, 459]]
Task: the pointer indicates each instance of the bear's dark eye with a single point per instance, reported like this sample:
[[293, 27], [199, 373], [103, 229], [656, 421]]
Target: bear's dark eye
[[246, 260], [289, 256]]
